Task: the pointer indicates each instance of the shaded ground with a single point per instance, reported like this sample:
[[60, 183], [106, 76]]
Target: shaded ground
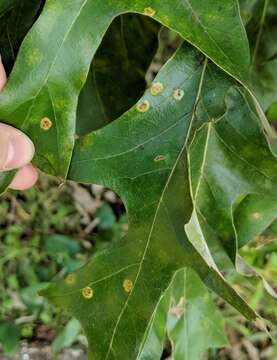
[[90, 217], [43, 352]]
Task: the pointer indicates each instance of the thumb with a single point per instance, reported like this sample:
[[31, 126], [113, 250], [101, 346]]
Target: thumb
[[16, 149], [3, 77]]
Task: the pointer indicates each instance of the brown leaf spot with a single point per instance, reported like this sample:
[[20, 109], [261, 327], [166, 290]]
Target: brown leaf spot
[[87, 293], [149, 11], [45, 124], [179, 309], [156, 88], [143, 106], [178, 94], [160, 158], [128, 285]]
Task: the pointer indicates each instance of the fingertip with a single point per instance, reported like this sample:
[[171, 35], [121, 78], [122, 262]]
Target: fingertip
[[25, 178], [3, 76], [16, 149]]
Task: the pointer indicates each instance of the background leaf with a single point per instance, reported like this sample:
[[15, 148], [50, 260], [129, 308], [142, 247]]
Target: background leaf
[[230, 158], [190, 317], [260, 18], [68, 336], [116, 78], [9, 337], [17, 17], [194, 323], [253, 216]]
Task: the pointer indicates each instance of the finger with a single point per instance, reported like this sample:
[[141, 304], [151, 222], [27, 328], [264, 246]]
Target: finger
[[25, 178], [16, 149], [3, 77]]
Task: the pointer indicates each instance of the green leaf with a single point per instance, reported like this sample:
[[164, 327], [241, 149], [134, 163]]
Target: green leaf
[[6, 5], [5, 180], [106, 216], [153, 344], [182, 160], [261, 19], [17, 17], [48, 76], [192, 320], [149, 170], [30, 296], [67, 337], [253, 216], [9, 337], [194, 323], [61, 244], [247, 270], [116, 78], [272, 112], [228, 159]]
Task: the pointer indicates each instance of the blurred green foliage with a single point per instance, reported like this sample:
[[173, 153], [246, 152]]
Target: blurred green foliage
[[53, 229], [43, 235]]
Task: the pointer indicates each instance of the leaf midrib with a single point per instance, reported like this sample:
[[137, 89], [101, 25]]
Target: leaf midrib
[[158, 208]]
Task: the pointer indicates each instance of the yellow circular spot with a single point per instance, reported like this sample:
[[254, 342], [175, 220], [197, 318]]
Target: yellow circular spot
[[156, 88], [45, 124], [60, 104], [256, 215], [87, 293], [143, 106], [160, 158], [70, 279], [34, 57], [178, 94], [128, 285], [149, 11]]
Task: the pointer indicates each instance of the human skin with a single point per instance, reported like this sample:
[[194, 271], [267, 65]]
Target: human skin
[[16, 151]]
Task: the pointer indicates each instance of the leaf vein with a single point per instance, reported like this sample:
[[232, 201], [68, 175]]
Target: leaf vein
[[158, 208]]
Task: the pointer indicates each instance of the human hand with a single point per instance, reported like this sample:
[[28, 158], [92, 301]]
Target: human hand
[[16, 151]]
